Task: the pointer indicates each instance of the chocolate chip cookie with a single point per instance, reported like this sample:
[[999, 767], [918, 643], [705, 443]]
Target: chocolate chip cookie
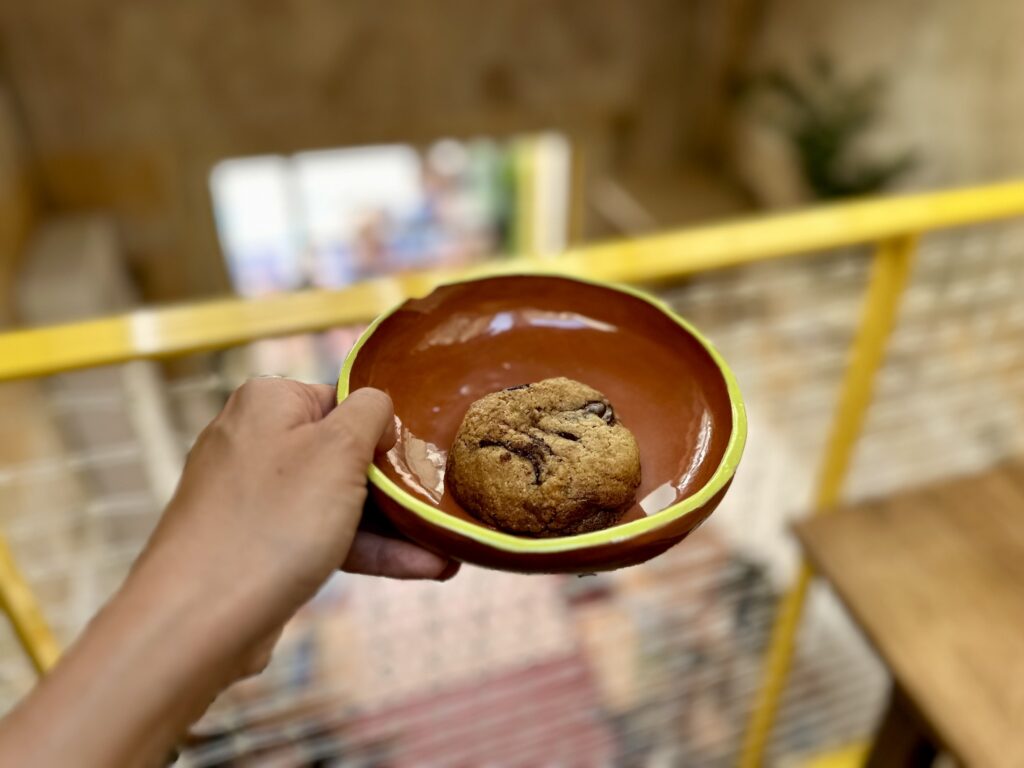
[[544, 459]]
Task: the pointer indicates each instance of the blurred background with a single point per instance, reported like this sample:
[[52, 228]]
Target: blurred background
[[172, 152]]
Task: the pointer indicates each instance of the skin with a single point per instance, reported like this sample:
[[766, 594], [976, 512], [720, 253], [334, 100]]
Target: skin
[[268, 506]]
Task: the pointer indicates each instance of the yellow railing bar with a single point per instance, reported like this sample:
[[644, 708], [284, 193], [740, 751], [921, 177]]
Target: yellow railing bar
[[203, 326], [525, 222], [577, 192], [890, 270], [849, 756], [21, 607]]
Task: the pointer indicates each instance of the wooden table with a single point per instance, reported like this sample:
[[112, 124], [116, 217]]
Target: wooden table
[[935, 579]]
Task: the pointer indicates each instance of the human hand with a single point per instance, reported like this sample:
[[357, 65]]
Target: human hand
[[270, 502], [267, 508]]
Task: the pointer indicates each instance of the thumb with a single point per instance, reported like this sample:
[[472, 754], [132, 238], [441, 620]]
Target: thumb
[[348, 437], [363, 423]]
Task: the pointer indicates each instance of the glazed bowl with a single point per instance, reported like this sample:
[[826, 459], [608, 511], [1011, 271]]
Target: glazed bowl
[[438, 354]]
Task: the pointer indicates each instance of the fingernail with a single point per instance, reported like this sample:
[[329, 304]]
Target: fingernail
[[450, 570]]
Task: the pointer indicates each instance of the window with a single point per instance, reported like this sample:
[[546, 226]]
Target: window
[[330, 218]]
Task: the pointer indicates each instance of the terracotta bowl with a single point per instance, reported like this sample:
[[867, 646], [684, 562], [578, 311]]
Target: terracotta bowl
[[438, 354]]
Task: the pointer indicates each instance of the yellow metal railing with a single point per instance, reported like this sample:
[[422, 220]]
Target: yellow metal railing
[[171, 331], [892, 224], [889, 274]]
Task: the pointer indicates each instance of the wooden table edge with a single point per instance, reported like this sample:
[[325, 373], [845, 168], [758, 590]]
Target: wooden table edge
[[900, 685]]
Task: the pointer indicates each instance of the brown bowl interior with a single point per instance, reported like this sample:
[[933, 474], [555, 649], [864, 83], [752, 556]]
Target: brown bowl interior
[[436, 355]]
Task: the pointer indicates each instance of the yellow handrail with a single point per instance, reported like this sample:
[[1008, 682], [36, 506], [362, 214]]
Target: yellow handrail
[[170, 331]]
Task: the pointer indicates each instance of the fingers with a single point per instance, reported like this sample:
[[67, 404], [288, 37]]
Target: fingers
[[389, 438], [365, 422], [365, 418], [375, 555], [326, 396], [375, 521], [277, 402]]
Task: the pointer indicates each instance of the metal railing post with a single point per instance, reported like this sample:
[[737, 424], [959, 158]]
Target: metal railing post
[[21, 607], [890, 269]]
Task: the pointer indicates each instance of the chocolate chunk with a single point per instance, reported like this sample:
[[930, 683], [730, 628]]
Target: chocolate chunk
[[539, 442], [531, 452], [517, 386], [603, 410]]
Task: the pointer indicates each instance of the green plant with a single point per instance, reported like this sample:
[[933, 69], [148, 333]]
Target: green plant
[[825, 118]]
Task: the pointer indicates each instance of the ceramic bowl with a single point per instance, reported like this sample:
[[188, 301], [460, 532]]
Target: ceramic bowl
[[436, 355]]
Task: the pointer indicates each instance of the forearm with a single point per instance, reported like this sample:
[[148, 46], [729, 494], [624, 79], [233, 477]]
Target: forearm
[[146, 666], [267, 508]]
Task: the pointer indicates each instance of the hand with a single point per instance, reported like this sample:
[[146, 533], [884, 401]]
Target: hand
[[267, 508], [271, 497]]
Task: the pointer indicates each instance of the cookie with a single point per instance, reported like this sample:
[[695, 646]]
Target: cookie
[[544, 459]]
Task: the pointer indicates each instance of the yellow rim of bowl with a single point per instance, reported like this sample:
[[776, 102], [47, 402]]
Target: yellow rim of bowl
[[614, 535]]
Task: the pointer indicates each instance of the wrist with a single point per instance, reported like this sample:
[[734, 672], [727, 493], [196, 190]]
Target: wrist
[[193, 612]]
